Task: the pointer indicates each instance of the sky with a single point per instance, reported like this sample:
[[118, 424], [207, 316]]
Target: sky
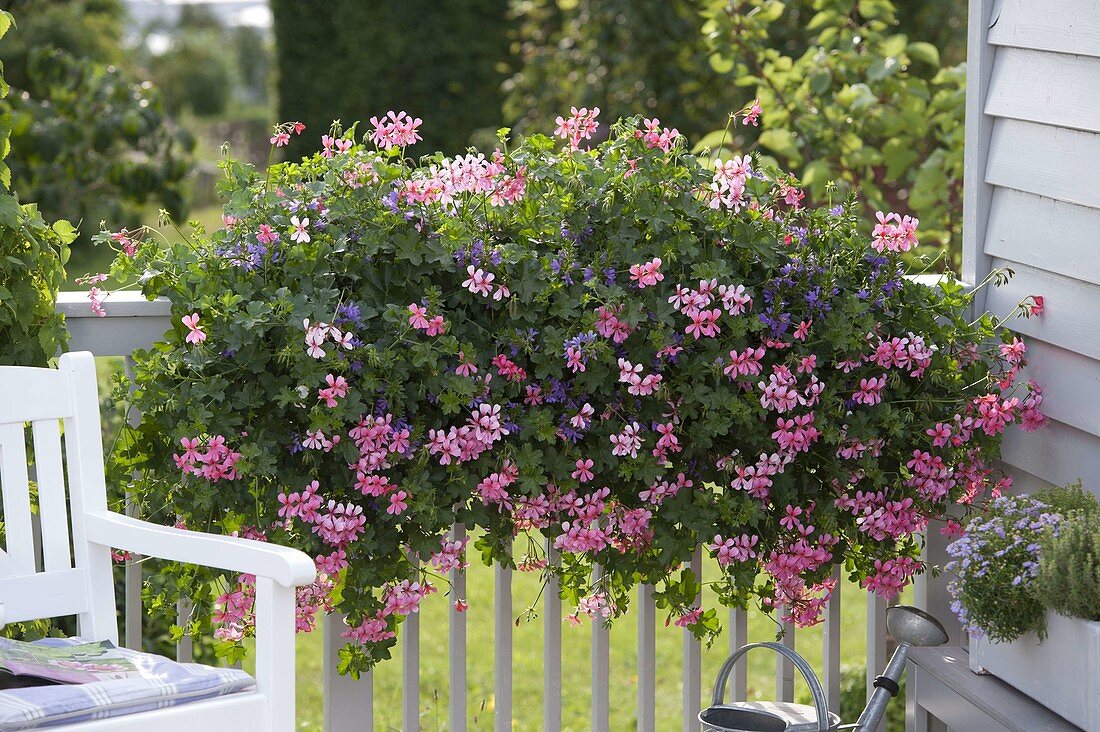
[[232, 12]]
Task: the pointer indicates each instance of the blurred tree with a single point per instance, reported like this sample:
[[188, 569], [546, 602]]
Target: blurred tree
[[623, 56], [864, 106], [351, 60], [89, 141], [195, 72]]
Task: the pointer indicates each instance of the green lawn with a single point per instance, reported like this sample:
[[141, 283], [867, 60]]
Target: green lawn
[[527, 665]]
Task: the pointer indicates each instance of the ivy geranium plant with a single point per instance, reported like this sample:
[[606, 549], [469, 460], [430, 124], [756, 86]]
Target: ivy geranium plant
[[590, 355]]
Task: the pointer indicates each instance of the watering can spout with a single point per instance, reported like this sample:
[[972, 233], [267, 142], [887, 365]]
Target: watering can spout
[[910, 627]]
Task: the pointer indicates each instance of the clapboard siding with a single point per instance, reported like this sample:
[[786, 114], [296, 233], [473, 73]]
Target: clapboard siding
[[1070, 382], [1045, 233], [1049, 161], [1051, 88], [1066, 26], [1058, 454], [1072, 317]]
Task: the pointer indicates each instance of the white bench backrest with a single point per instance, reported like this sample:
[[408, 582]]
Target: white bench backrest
[[75, 579]]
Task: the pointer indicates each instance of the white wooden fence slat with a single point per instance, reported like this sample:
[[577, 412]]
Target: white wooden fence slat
[[503, 662], [458, 641], [53, 513], [19, 536], [601, 671], [348, 703], [1021, 88], [132, 572], [410, 673], [551, 649], [876, 639], [1045, 233], [647, 659], [185, 652], [1065, 171], [739, 636], [784, 669], [1072, 318], [693, 662], [830, 651], [1072, 26]]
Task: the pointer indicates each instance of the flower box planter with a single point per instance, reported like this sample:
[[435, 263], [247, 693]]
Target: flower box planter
[[1062, 673]]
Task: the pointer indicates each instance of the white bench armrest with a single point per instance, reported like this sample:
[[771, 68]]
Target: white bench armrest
[[289, 567]]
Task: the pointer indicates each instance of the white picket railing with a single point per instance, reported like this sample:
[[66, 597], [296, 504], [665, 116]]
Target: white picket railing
[[133, 322]]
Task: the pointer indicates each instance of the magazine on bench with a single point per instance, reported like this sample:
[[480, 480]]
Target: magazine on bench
[[79, 664]]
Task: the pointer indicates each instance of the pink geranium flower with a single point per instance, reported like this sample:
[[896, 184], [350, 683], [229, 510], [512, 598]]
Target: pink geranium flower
[[195, 334]]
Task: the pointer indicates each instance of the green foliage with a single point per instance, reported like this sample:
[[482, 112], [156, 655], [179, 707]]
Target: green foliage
[[853, 698], [446, 67], [623, 56], [319, 278], [1012, 563], [32, 265], [1069, 567], [1067, 499], [89, 141], [865, 105]]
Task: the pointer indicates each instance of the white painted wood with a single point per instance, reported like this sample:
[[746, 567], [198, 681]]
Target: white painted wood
[[693, 663], [1049, 88], [42, 595], [410, 673], [185, 646], [784, 669], [132, 322], [87, 588], [237, 712], [647, 659], [1045, 233], [502, 665], [967, 702], [930, 593], [458, 641], [1070, 382], [132, 572], [601, 671], [551, 648], [1048, 161], [289, 567], [88, 493], [1058, 454], [976, 192], [1072, 317], [348, 702], [877, 652], [830, 646], [1073, 26], [275, 651], [32, 394], [739, 636], [1061, 672], [18, 533]]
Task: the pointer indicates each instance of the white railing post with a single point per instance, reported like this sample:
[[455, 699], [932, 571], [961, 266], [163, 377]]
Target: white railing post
[[830, 641], [348, 704], [693, 661], [647, 659], [784, 669], [185, 652], [551, 648], [739, 636], [410, 673], [502, 666], [877, 650], [601, 670], [458, 640]]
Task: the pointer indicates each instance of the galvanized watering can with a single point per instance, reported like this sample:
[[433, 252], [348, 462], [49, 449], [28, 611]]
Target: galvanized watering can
[[908, 625]]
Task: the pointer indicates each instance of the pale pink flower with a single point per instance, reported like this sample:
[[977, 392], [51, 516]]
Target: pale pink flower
[[195, 334]]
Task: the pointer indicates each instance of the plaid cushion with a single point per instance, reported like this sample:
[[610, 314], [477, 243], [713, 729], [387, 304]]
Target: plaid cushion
[[164, 683]]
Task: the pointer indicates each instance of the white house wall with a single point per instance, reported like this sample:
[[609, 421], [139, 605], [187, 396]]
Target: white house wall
[[1033, 159]]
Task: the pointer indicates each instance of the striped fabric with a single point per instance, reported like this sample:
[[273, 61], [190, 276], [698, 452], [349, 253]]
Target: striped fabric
[[164, 683]]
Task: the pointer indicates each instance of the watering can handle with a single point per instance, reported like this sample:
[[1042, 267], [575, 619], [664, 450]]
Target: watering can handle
[[820, 705]]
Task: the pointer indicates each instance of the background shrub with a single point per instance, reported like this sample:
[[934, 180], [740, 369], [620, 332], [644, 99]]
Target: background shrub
[[1069, 568]]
